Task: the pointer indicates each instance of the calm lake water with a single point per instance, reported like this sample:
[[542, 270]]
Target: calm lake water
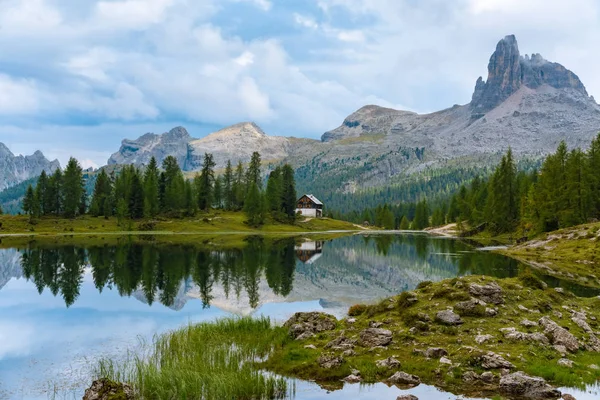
[[63, 307]]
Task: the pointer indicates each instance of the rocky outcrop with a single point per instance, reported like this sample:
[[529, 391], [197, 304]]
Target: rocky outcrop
[[16, 169], [525, 386], [373, 337], [559, 336], [141, 150], [303, 325], [448, 317], [105, 389], [490, 293], [402, 378]]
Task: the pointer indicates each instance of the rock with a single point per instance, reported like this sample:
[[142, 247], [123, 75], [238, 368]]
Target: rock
[[523, 308], [593, 344], [472, 307], [448, 317], [341, 343], [351, 320], [435, 352], [528, 324], [303, 325], [488, 377], [494, 361], [348, 353], [519, 384], [310, 346], [423, 317], [329, 361], [16, 169], [402, 378], [352, 379], [373, 337], [490, 312], [582, 324], [446, 361], [594, 367], [373, 324], [557, 314], [559, 335], [470, 376], [561, 349], [565, 362], [105, 389], [480, 339], [407, 397], [490, 293], [559, 290], [513, 334], [567, 396], [389, 362]]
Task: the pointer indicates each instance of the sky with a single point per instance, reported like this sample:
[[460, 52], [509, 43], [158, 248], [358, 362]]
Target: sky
[[77, 77]]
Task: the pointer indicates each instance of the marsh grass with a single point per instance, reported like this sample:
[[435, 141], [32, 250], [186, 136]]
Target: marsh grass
[[205, 361]]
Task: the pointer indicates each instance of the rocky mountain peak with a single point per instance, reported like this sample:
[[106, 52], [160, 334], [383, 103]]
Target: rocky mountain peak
[[177, 133], [508, 71], [16, 169], [244, 129]]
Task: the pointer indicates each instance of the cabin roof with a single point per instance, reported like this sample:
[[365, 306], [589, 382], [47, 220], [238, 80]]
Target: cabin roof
[[313, 199]]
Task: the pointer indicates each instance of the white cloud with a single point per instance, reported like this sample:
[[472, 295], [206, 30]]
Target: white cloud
[[245, 59], [18, 96], [255, 102], [132, 14], [265, 5], [307, 22], [28, 16]]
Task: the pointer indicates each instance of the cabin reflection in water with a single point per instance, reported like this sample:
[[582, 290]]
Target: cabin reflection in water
[[309, 252]]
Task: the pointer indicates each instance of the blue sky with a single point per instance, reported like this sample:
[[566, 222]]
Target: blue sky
[[76, 77]]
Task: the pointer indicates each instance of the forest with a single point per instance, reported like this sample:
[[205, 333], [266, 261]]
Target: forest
[[564, 191], [133, 193]]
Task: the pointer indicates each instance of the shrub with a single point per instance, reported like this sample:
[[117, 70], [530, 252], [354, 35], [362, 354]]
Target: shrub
[[424, 284], [531, 281], [406, 299], [147, 226], [356, 310]]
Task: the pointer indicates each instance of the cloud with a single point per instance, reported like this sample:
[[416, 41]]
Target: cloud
[[265, 5], [17, 96], [131, 14], [305, 21]]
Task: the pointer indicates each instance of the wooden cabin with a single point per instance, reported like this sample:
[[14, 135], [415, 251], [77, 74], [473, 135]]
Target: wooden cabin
[[309, 252], [309, 206]]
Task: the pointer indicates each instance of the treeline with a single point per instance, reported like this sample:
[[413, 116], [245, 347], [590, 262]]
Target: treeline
[[563, 192], [135, 193]]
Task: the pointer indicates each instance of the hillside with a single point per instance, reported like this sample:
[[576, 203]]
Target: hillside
[[526, 102]]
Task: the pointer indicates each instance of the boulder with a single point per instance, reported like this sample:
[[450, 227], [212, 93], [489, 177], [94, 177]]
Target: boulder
[[472, 307], [565, 362], [487, 377], [480, 339], [373, 337], [329, 361], [521, 385], [407, 397], [303, 325], [528, 324], [490, 293], [402, 378], [448, 317], [105, 389], [341, 343], [493, 361], [558, 335], [582, 324], [435, 352], [389, 362], [513, 334], [470, 376], [352, 379], [567, 396]]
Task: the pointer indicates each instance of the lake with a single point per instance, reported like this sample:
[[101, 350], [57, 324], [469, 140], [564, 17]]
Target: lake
[[63, 307]]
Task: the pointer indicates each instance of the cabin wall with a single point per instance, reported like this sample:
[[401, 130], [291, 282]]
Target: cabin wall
[[307, 212]]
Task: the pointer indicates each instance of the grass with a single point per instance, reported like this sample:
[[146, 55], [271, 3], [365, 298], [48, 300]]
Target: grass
[[205, 361], [569, 254], [293, 359], [16, 230]]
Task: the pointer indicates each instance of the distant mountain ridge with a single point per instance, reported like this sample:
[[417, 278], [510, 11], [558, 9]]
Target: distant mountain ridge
[[16, 169], [526, 102]]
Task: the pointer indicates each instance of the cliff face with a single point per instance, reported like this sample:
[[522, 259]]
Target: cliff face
[[16, 169]]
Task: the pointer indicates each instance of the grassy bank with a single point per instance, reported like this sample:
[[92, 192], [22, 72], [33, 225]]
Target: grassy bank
[[224, 359], [572, 253], [207, 361], [216, 227], [411, 317]]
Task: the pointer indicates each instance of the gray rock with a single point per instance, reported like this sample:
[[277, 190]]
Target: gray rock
[[341, 343], [528, 324], [567, 396], [448, 317], [373, 337], [559, 335], [352, 379], [472, 307], [565, 362], [329, 361], [494, 361], [480, 339], [348, 353], [104, 389], [582, 324], [470, 376], [435, 352], [16, 169], [490, 293], [402, 378], [303, 325], [521, 385], [389, 362], [407, 397], [513, 334], [488, 377]]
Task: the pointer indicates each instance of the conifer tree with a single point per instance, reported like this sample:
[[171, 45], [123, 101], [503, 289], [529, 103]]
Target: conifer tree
[[174, 184], [253, 172], [228, 190], [151, 189], [218, 193], [72, 188], [205, 182], [421, 220], [253, 206], [40, 191], [28, 205], [274, 193], [404, 223], [239, 186], [190, 199], [289, 196], [54, 193], [1, 210], [101, 195], [136, 196]]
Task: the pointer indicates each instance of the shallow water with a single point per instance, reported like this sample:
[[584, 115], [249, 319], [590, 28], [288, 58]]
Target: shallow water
[[61, 308]]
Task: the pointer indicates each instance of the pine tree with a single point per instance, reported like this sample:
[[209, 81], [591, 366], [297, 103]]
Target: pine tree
[[387, 218], [228, 192], [404, 223], [72, 188], [40, 191], [274, 192], [239, 186], [190, 199], [593, 161], [421, 220], [253, 206], [136, 197], [53, 203], [253, 173], [1, 210], [151, 190], [289, 196], [101, 195], [28, 204], [437, 218], [174, 185], [204, 183], [218, 193]]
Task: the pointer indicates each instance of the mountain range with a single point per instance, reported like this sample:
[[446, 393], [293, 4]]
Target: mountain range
[[16, 169], [526, 102]]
